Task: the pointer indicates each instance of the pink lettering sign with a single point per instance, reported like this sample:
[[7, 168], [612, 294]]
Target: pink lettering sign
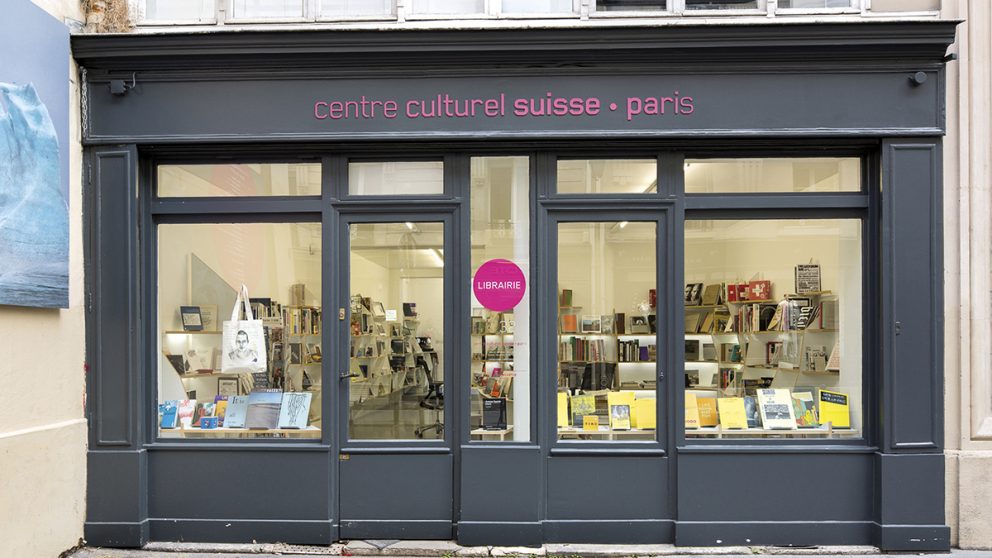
[[499, 285]]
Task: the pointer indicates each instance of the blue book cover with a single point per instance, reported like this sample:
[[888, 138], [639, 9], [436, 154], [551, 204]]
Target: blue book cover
[[237, 411], [169, 414]]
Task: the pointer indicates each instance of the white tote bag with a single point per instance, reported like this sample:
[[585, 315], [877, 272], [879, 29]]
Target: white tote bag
[[244, 340]]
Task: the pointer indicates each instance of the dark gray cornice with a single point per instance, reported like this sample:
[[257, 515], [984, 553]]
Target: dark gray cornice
[[865, 42]]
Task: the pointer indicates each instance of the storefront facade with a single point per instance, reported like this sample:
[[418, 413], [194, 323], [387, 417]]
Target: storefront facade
[[620, 183]]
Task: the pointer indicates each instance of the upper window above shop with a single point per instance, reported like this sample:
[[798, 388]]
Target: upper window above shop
[[779, 175], [607, 176], [155, 12], [259, 179]]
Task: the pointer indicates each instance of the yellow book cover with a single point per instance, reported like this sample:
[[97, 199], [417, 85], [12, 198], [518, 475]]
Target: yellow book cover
[[590, 422], [707, 411], [732, 415], [582, 405], [562, 409], [691, 411], [220, 410], [835, 408], [643, 414]]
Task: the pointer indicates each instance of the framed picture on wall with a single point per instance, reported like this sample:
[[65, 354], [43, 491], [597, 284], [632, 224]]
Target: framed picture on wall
[[192, 321]]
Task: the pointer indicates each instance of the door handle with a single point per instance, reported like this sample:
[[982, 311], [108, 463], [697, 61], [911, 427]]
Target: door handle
[[349, 375]]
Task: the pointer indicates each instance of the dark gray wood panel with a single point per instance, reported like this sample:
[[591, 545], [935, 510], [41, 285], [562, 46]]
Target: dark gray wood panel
[[406, 487], [912, 312], [115, 486], [111, 283], [778, 533], [116, 498], [243, 531], [775, 487], [607, 487], [884, 103], [262, 484], [911, 489], [486, 498]]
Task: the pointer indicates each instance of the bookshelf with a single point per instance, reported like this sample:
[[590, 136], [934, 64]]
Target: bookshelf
[[764, 344]]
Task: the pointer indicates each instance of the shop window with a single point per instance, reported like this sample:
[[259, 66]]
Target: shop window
[[179, 10], [500, 335], [345, 8], [724, 4], [905, 5], [265, 179], [447, 7], [265, 9], [607, 331], [773, 328], [780, 175], [397, 331], [396, 178], [224, 378], [607, 176]]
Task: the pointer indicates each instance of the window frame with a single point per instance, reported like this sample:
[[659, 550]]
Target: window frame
[[155, 211], [863, 205]]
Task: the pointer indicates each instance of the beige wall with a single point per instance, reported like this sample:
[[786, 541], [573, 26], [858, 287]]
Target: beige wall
[[42, 426], [968, 335]]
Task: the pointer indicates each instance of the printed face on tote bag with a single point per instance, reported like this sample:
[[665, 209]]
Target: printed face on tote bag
[[244, 340], [242, 353]]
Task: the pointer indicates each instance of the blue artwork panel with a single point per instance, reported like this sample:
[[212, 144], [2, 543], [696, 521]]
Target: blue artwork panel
[[34, 213]]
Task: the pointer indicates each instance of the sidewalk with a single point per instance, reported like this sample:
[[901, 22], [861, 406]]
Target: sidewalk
[[448, 549]]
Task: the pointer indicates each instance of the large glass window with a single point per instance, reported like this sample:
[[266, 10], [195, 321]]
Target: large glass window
[[779, 175], [813, 4], [905, 5], [631, 5], [537, 6], [607, 331], [773, 328], [344, 8], [607, 176], [397, 331], [178, 10], [500, 327], [265, 9], [225, 375], [396, 178], [257, 179], [724, 4], [448, 7]]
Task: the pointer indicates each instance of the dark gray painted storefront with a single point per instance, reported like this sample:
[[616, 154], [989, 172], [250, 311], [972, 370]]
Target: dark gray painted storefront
[[777, 89]]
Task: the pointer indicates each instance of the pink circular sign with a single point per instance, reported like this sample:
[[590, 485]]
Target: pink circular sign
[[499, 285]]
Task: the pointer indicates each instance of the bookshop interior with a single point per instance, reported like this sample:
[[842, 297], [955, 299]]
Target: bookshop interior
[[771, 308]]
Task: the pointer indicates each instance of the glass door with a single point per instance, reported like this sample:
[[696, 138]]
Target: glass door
[[395, 419], [396, 371]]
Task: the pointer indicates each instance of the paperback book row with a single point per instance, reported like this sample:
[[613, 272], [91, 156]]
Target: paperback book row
[[791, 314], [582, 350], [769, 409], [264, 409], [619, 410]]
